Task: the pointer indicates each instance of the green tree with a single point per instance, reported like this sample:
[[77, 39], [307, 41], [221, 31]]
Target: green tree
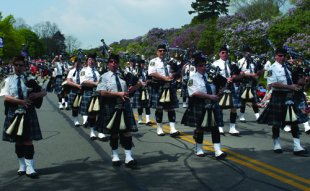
[[32, 41], [207, 9]]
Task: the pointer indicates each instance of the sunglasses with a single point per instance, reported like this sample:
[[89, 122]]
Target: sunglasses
[[161, 50], [19, 65], [223, 52], [280, 55]]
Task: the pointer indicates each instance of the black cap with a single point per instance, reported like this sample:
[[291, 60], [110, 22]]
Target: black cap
[[114, 57], [224, 48], [92, 55], [161, 46], [199, 58], [280, 51], [247, 49]]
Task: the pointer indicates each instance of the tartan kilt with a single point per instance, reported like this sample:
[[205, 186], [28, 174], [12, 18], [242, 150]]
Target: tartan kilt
[[196, 110], [86, 99], [156, 91], [31, 130], [58, 86], [107, 109], [275, 112], [137, 102], [236, 103], [242, 88], [71, 97]]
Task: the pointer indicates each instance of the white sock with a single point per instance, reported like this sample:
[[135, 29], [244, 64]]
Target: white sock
[[30, 166], [172, 127], [159, 128], [199, 149], [297, 146], [277, 144], [84, 118], [115, 156], [306, 126], [217, 149], [128, 156], [147, 118], [22, 164], [92, 132]]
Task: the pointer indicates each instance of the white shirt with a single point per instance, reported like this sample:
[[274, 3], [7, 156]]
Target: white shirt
[[108, 83], [196, 83], [221, 64], [86, 74], [242, 63], [276, 73], [59, 68], [10, 86], [157, 66], [73, 75]]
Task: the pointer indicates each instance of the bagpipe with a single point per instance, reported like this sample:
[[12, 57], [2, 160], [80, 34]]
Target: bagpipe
[[17, 126], [121, 107]]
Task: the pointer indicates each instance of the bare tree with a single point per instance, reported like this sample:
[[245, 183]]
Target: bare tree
[[72, 43], [45, 29], [20, 23]]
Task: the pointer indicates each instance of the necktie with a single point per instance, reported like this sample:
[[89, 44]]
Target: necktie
[[94, 74], [118, 83], [19, 87], [78, 76], [166, 69], [208, 88], [143, 75], [226, 71], [288, 78]]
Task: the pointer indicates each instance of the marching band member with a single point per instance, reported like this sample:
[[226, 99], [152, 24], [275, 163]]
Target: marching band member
[[163, 91], [74, 81], [230, 72], [187, 71], [116, 115], [203, 110], [21, 123], [281, 109], [249, 73], [59, 71], [89, 81], [141, 98]]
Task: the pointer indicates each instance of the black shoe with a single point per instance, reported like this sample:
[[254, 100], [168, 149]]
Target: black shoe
[[161, 134], [104, 139], [175, 134], [85, 125], [131, 164], [33, 175], [67, 108], [278, 151], [21, 173], [235, 134], [93, 138], [116, 163], [201, 155], [134, 129], [302, 153], [308, 132], [149, 123], [221, 156]]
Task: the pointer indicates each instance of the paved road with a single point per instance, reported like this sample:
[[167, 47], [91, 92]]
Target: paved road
[[68, 160]]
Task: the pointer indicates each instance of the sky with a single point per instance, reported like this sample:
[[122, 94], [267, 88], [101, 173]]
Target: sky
[[92, 20]]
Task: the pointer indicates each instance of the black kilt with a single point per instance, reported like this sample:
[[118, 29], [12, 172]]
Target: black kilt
[[72, 96], [86, 99], [31, 130], [275, 112], [156, 91], [196, 110], [58, 86], [137, 102], [107, 109], [242, 87]]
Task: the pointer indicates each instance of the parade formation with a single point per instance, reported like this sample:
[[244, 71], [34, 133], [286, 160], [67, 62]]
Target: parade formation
[[105, 101]]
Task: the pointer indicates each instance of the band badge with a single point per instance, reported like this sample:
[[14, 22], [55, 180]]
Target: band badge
[[190, 83], [152, 64], [192, 69], [269, 74], [83, 73]]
